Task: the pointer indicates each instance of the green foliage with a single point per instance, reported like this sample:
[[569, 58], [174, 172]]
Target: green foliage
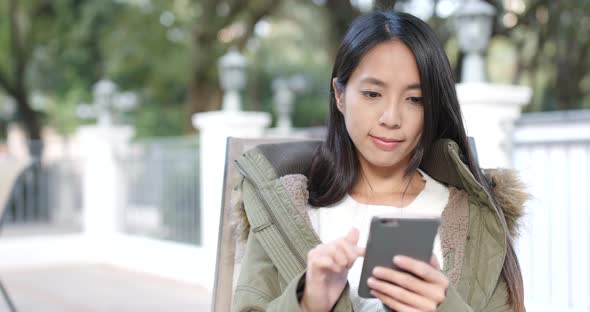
[[552, 52], [295, 45], [151, 50], [76, 43]]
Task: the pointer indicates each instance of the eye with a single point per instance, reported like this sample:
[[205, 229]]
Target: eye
[[415, 99], [370, 94]]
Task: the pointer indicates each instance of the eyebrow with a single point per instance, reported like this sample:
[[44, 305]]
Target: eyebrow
[[375, 81], [413, 87]]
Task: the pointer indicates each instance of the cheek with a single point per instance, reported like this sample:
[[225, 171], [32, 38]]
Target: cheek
[[417, 125], [358, 118]]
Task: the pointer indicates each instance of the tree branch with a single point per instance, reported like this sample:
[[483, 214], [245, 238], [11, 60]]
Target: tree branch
[[253, 20], [340, 14], [16, 42], [522, 20], [384, 4], [584, 52], [237, 7]]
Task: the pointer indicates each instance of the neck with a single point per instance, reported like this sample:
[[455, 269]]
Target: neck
[[386, 184]]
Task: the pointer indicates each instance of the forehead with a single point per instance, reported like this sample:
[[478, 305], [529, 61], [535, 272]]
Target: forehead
[[392, 62]]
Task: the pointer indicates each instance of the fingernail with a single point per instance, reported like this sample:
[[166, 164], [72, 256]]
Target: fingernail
[[370, 280], [398, 259], [376, 271]]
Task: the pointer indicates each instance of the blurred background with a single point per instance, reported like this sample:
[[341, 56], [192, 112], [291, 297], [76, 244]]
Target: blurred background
[[119, 110]]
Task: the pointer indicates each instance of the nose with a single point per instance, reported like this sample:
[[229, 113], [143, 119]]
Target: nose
[[391, 116]]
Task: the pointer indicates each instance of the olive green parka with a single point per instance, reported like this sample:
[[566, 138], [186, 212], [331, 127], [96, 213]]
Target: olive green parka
[[271, 218]]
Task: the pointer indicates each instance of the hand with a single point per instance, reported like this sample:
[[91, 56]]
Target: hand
[[327, 271], [404, 292]]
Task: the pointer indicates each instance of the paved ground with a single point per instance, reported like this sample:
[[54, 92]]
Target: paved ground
[[98, 288]]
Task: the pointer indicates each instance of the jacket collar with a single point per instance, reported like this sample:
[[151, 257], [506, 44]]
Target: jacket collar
[[443, 162], [440, 161]]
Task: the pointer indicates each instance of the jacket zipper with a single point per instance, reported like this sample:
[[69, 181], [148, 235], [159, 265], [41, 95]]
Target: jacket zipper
[[272, 217]]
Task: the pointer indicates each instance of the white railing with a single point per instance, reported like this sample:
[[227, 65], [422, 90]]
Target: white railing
[[552, 153], [160, 178], [119, 180]]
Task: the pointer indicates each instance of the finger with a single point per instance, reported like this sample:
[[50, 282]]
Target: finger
[[421, 269], [434, 262], [360, 251], [348, 250], [338, 254], [353, 236], [392, 303], [332, 265], [420, 287], [352, 251], [322, 263], [319, 260], [402, 295]]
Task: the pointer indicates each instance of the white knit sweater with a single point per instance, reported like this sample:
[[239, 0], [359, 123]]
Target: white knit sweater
[[335, 221]]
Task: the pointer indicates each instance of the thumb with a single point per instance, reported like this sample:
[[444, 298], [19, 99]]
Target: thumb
[[353, 236], [434, 262]]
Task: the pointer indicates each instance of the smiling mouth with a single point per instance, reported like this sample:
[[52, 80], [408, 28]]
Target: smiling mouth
[[386, 144], [387, 140]]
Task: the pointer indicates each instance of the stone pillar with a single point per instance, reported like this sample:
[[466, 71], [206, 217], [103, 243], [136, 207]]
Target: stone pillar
[[489, 112], [215, 127], [102, 183]]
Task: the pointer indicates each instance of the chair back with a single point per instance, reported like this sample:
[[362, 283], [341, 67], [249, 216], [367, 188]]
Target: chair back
[[227, 266]]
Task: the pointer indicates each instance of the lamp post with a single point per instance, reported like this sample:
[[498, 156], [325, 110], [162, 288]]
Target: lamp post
[[489, 110], [215, 127], [473, 22], [284, 90], [108, 101], [232, 76], [101, 146]]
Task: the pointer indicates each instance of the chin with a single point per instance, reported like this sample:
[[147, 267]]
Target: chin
[[383, 162]]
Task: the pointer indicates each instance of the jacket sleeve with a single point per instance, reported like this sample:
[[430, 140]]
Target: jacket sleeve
[[497, 303], [258, 287]]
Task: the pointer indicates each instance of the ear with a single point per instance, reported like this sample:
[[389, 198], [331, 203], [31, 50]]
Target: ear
[[338, 95]]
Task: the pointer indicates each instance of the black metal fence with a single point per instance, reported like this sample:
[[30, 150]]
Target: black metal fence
[[48, 194]]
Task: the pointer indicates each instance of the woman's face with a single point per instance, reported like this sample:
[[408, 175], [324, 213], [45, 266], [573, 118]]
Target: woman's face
[[382, 105]]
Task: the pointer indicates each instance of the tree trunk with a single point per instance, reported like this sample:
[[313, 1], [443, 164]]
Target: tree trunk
[[204, 91], [384, 4], [30, 121], [202, 97], [341, 14]]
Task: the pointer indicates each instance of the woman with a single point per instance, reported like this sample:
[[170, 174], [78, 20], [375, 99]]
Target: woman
[[395, 145]]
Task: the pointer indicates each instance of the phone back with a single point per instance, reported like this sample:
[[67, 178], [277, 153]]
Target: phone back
[[389, 237]]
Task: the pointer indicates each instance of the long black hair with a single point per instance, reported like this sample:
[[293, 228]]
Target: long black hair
[[336, 167]]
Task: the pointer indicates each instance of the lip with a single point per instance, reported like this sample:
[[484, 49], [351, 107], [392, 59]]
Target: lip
[[386, 144]]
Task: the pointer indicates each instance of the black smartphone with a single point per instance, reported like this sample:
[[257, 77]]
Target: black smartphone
[[388, 237]]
